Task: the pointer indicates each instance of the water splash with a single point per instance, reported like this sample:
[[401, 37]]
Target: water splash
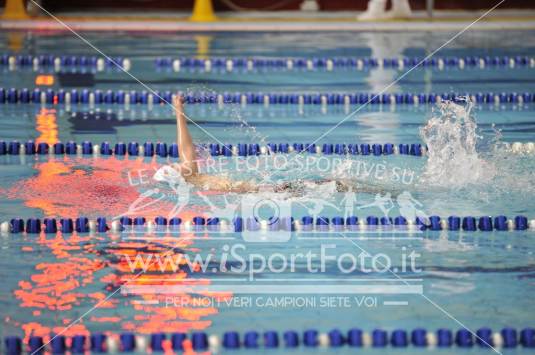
[[451, 137]]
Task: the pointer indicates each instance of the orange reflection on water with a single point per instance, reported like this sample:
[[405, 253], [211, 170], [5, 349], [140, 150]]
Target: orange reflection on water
[[64, 284], [162, 316], [72, 187], [56, 286], [46, 126], [44, 80]]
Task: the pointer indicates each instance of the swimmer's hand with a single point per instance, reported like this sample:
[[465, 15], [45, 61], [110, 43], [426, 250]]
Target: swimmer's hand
[[178, 104]]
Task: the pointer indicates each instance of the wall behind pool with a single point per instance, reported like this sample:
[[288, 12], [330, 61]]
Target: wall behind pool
[[271, 5], [340, 5]]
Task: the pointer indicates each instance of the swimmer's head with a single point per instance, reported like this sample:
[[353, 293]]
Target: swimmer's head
[[183, 170], [171, 173]]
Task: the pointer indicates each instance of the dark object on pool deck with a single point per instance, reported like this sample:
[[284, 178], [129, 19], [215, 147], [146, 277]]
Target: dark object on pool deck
[[76, 79]]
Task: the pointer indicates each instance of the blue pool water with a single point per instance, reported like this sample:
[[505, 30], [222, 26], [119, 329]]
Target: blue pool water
[[467, 279]]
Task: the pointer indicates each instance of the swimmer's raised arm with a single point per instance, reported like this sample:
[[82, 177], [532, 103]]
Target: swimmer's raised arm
[[186, 149]]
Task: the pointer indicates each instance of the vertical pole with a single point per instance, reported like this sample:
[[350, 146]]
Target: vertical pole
[[429, 6]]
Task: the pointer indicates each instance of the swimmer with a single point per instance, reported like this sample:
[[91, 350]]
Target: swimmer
[[188, 169]]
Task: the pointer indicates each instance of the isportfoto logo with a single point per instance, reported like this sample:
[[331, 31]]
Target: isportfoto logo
[[324, 269], [236, 259]]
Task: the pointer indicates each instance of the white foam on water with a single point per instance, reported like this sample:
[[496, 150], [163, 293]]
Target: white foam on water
[[470, 173], [451, 138]]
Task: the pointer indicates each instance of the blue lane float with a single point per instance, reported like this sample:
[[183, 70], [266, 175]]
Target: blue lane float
[[273, 64], [62, 61], [99, 97], [506, 338], [359, 63], [320, 224], [163, 150]]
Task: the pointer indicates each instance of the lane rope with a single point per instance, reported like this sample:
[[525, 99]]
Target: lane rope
[[240, 224], [37, 62], [163, 150], [98, 97], [329, 64], [507, 338], [58, 62]]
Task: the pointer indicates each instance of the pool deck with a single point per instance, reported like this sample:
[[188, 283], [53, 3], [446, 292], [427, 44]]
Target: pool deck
[[298, 21]]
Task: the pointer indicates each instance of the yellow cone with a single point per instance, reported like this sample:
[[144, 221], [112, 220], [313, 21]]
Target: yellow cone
[[15, 10], [203, 11]]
